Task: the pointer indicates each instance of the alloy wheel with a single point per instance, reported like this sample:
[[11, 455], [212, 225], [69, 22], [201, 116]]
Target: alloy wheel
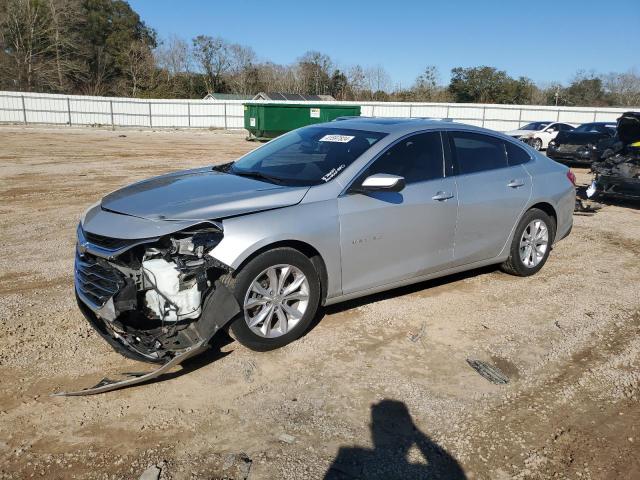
[[276, 301], [534, 243]]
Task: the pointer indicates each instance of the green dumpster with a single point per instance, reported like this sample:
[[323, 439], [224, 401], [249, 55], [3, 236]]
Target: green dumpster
[[268, 120]]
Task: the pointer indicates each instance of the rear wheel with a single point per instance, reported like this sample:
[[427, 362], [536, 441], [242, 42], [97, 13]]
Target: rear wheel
[[279, 292], [531, 244]]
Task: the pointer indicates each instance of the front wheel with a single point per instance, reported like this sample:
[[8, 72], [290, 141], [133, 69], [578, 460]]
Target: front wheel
[[279, 292], [531, 244], [537, 144]]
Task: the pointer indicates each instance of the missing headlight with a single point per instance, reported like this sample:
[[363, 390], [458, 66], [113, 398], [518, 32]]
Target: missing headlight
[[196, 245]]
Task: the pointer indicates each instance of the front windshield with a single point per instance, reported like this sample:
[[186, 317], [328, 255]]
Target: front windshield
[[308, 156], [535, 126], [609, 129]]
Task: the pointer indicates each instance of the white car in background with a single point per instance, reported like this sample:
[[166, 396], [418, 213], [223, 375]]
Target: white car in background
[[539, 134]]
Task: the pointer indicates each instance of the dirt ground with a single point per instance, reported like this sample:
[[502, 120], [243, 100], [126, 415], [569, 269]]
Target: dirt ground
[[379, 388]]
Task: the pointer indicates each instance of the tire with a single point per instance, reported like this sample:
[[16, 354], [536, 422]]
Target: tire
[[533, 260], [536, 143], [274, 332]]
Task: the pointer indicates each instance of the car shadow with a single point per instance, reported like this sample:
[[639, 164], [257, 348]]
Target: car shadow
[[213, 354], [399, 292], [394, 435]]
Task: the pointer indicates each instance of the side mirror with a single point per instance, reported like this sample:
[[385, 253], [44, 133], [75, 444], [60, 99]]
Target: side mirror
[[382, 182]]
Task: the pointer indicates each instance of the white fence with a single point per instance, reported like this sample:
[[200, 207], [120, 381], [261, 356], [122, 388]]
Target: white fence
[[42, 108]]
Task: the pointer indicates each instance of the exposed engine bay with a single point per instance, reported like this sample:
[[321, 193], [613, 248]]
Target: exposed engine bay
[[149, 298]]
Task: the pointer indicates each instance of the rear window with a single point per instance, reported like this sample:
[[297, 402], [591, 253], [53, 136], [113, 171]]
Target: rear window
[[475, 152], [516, 155]]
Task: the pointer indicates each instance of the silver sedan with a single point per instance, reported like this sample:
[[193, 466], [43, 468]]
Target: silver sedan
[[317, 216]]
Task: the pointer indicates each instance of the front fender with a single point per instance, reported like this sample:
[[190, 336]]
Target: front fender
[[315, 224]]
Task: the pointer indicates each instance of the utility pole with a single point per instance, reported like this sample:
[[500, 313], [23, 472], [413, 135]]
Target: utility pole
[[557, 94]]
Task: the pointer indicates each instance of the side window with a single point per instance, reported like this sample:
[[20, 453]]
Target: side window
[[476, 152], [516, 155], [416, 158], [564, 127]]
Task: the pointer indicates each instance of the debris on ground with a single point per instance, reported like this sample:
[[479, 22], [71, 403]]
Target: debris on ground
[[586, 206], [414, 337], [240, 462], [286, 438], [108, 385], [488, 371], [151, 473]]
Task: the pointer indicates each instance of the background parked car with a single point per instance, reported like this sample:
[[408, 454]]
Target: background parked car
[[578, 145], [539, 134]]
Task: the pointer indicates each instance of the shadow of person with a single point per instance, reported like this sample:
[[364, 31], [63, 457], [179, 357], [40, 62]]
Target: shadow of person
[[394, 434]]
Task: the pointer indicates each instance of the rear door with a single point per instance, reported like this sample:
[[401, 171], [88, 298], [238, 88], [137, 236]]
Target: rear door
[[492, 193], [387, 236]]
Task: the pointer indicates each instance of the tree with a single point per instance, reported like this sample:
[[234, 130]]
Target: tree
[[243, 72], [214, 59], [356, 80], [426, 85], [623, 88], [313, 70], [108, 30], [338, 86], [378, 81], [173, 56], [25, 40], [138, 67], [586, 89], [488, 85], [175, 76], [66, 16]]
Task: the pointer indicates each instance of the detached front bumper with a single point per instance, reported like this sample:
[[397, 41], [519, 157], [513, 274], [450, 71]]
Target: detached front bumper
[[617, 186], [108, 301], [117, 342]]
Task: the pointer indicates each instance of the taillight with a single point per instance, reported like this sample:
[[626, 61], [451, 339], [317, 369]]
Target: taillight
[[572, 177]]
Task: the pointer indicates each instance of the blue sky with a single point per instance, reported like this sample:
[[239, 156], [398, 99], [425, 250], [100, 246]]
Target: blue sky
[[543, 40]]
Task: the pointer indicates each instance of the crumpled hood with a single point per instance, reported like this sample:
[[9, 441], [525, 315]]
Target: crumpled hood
[[518, 133], [200, 194], [572, 137]]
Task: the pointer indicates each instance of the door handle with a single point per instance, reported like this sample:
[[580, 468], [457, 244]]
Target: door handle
[[441, 196], [515, 183]]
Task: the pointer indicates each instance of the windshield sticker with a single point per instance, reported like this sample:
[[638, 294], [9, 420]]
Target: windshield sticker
[[333, 172], [337, 138]]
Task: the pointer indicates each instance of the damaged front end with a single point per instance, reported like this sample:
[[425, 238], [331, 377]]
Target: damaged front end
[[154, 299], [618, 172]]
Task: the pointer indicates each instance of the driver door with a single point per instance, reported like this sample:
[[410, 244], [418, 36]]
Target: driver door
[[386, 237]]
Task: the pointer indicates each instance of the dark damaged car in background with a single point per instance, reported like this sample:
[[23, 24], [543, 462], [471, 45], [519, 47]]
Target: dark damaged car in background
[[580, 145], [617, 171], [320, 215]]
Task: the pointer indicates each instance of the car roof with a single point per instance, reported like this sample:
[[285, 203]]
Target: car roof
[[394, 125]]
